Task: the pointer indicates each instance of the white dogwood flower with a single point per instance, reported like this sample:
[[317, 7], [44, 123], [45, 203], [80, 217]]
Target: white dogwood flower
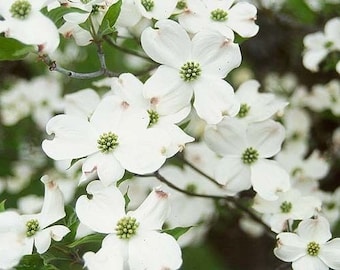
[[219, 15], [318, 45], [245, 150], [194, 66], [309, 248], [134, 235], [23, 21], [20, 233], [114, 139]]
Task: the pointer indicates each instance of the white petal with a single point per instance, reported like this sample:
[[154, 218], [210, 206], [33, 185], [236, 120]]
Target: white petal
[[268, 179], [169, 44], [154, 251], [233, 174], [152, 213], [58, 232], [266, 137], [53, 206], [216, 54], [290, 247], [130, 89], [178, 139], [144, 153], [25, 31], [103, 210], [74, 137], [214, 99], [81, 103], [241, 18], [42, 240], [108, 168], [11, 249], [104, 259], [310, 263], [11, 221], [227, 138], [317, 230], [329, 253], [161, 9], [118, 111], [166, 91]]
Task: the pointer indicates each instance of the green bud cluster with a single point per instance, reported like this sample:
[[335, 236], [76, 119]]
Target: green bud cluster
[[250, 156], [126, 227], [107, 142], [313, 248], [20, 9], [190, 71], [219, 15], [32, 226]]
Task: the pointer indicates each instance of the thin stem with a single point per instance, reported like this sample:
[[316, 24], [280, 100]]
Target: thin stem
[[72, 74], [199, 171], [226, 198], [126, 50]]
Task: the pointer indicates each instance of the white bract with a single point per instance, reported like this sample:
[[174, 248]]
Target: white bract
[[22, 21], [309, 248], [193, 66], [290, 205], [245, 151], [134, 238], [219, 15], [255, 106], [20, 233], [164, 110], [115, 138], [318, 45]]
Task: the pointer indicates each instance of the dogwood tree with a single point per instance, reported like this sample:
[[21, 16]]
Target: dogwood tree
[[161, 130]]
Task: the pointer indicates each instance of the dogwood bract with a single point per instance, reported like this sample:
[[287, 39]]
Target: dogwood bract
[[135, 235]]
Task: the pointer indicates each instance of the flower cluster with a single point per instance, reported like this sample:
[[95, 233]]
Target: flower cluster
[[170, 133]]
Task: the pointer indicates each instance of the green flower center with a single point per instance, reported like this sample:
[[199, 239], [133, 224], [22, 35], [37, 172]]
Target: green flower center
[[153, 116], [190, 71], [219, 15], [85, 1], [107, 142], [20, 9], [286, 207], [32, 226], [148, 4], [313, 248], [244, 110], [126, 227], [250, 156], [181, 5]]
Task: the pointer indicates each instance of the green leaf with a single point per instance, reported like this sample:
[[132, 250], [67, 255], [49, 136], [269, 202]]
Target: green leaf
[[71, 221], [12, 49], [56, 15], [2, 206], [92, 238], [31, 262], [110, 19], [127, 198], [177, 232]]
